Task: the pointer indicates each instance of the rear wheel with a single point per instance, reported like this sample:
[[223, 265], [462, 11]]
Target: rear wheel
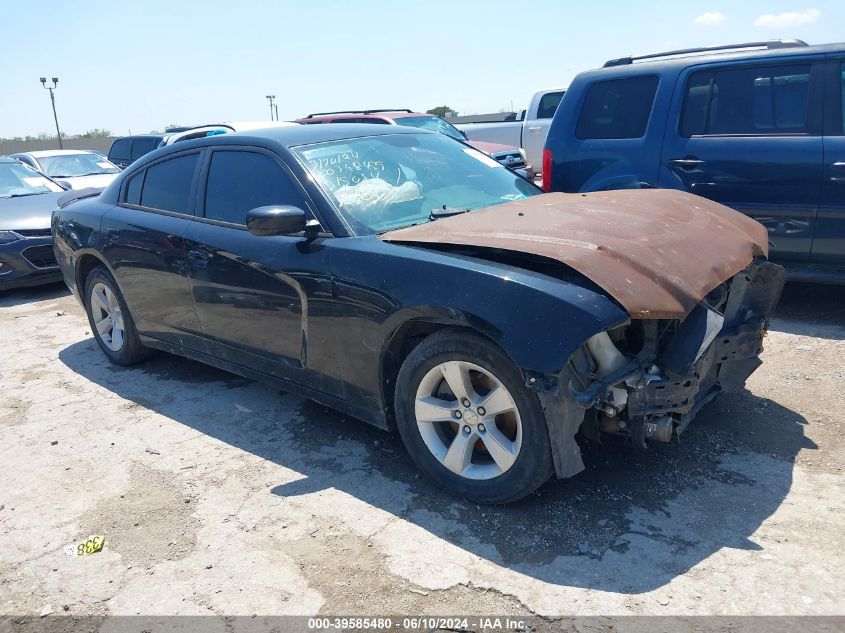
[[110, 321], [469, 422]]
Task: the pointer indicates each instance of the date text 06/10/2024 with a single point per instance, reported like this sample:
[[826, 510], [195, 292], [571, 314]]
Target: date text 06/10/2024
[[426, 623]]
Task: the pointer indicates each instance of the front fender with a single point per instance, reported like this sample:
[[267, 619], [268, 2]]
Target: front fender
[[537, 320]]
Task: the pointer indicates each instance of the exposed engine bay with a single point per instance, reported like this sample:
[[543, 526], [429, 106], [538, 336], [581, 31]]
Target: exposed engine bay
[[646, 380]]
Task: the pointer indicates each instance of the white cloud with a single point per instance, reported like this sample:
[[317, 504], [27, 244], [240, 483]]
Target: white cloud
[[788, 19], [711, 18]]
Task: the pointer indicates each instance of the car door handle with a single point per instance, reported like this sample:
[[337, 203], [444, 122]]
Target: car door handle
[[838, 165], [200, 256], [534, 128], [690, 162]]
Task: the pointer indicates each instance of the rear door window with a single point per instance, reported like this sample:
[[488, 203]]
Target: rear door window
[[239, 181], [167, 185], [617, 108], [120, 149], [548, 104], [747, 101]]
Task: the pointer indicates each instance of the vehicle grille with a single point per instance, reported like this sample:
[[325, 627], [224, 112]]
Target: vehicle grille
[[33, 232], [512, 160], [40, 256]]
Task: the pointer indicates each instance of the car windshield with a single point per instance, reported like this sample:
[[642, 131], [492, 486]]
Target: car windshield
[[380, 183], [17, 180], [73, 165], [433, 123]]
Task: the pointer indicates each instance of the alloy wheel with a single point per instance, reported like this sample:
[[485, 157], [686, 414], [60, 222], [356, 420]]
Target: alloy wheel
[[468, 420], [107, 316]]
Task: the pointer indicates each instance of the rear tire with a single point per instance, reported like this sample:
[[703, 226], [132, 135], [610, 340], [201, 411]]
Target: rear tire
[[469, 422], [111, 323]]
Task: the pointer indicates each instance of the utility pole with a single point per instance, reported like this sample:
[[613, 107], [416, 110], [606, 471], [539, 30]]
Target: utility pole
[[270, 99], [53, 102], [277, 111]]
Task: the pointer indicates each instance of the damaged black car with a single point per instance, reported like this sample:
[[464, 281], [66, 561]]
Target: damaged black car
[[410, 281]]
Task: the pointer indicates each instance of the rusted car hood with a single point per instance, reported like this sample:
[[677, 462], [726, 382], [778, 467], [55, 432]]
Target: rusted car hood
[[657, 252]]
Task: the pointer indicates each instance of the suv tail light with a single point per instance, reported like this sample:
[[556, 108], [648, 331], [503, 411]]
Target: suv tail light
[[547, 170]]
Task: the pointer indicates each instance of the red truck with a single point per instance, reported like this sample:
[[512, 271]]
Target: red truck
[[511, 157]]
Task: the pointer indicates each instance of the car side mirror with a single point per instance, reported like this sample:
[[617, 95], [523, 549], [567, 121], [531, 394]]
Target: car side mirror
[[464, 134], [276, 220]]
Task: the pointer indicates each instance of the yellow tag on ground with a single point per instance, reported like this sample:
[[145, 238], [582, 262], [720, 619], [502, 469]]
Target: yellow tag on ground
[[92, 545]]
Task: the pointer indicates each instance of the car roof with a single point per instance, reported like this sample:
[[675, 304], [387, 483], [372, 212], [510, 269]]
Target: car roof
[[363, 114], [44, 153], [660, 64], [306, 134], [158, 136]]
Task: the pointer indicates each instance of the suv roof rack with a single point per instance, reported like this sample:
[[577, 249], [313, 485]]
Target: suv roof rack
[[767, 44], [359, 112]]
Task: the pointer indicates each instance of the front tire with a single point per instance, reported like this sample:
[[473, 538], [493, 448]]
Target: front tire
[[468, 420], [111, 323]]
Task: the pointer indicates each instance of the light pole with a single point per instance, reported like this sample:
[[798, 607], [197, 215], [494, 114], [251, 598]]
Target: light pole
[[270, 99], [53, 102]]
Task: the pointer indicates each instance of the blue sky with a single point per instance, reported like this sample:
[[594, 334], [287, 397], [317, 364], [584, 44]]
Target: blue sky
[[140, 66]]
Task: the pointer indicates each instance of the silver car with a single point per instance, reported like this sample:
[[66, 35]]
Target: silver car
[[73, 168]]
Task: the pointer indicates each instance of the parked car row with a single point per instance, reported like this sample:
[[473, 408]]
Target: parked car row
[[387, 267], [528, 132]]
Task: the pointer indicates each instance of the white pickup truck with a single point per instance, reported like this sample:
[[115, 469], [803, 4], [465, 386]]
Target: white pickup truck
[[528, 131]]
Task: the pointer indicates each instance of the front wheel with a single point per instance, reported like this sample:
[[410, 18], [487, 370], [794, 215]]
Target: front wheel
[[468, 420]]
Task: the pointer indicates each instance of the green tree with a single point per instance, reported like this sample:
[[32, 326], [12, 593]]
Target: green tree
[[443, 111], [96, 133]]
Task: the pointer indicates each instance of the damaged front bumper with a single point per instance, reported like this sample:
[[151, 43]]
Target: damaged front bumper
[[666, 372]]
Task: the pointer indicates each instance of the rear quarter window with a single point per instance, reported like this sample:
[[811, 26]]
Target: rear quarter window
[[133, 189], [617, 108]]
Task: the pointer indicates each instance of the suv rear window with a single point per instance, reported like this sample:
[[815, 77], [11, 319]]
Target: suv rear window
[[747, 100], [141, 146], [120, 149], [617, 108]]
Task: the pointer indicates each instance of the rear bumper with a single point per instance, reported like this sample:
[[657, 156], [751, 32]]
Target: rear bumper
[[28, 262]]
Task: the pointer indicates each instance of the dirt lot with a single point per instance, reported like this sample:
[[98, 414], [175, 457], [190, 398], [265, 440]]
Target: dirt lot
[[221, 496]]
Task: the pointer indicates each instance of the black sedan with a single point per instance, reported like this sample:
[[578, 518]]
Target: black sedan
[[411, 281], [27, 198]]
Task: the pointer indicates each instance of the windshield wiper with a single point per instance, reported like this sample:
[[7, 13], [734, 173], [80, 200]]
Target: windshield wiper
[[445, 212], [21, 195]]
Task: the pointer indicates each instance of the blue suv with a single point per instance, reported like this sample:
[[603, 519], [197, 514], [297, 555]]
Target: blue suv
[[756, 126]]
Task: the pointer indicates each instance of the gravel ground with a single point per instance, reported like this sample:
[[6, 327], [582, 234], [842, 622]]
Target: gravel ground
[[221, 496]]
